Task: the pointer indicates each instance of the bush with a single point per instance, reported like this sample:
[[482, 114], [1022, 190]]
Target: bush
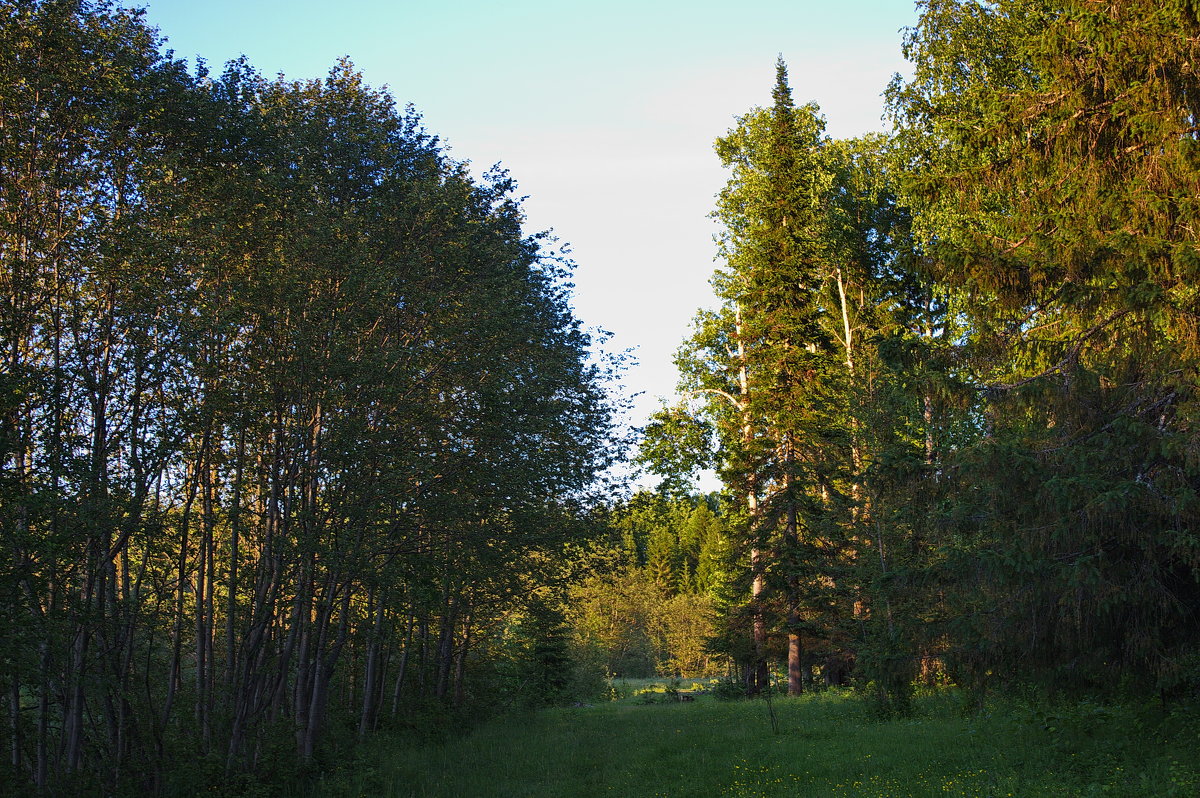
[[887, 671], [728, 689]]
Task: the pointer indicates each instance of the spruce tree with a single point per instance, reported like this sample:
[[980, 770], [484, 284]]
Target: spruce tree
[[761, 359], [1054, 174]]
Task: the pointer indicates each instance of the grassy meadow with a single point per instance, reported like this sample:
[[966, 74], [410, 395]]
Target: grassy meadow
[[646, 743]]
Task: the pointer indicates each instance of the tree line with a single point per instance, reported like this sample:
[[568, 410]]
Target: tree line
[[658, 579], [292, 410], [950, 383]]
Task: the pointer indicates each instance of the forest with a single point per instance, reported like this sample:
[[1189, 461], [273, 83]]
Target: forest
[[301, 441]]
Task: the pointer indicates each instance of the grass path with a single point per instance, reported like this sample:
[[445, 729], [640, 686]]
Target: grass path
[[826, 747]]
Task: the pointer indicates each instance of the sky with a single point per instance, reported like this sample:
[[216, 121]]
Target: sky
[[604, 112]]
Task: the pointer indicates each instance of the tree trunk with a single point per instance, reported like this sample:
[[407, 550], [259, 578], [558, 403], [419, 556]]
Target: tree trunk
[[758, 675], [791, 540], [400, 671]]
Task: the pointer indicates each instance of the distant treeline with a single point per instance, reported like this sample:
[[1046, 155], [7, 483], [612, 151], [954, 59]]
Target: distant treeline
[[292, 411], [951, 385]]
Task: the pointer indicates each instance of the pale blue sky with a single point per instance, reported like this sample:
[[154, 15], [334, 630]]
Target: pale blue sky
[[605, 113]]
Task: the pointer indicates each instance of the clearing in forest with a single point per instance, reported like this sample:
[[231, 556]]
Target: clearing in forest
[[827, 745]]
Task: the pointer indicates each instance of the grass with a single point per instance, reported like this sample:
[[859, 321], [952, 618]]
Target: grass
[[827, 746]]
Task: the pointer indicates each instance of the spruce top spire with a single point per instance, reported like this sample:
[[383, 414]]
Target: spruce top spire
[[782, 93]]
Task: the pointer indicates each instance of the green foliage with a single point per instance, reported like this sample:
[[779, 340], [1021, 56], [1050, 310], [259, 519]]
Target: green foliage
[[729, 689], [636, 628], [886, 673], [828, 437], [654, 612], [953, 375], [675, 446], [293, 413], [546, 667], [1050, 168]]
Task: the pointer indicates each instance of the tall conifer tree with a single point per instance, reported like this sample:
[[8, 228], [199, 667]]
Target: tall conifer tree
[[761, 357], [1054, 172]]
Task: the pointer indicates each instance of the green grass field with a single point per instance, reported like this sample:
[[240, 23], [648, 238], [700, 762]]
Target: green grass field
[[827, 745]]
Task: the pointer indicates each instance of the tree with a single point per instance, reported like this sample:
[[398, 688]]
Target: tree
[[1051, 156], [762, 359], [293, 409]]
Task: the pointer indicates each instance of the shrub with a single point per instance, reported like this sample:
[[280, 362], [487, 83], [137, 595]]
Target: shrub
[[729, 688]]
